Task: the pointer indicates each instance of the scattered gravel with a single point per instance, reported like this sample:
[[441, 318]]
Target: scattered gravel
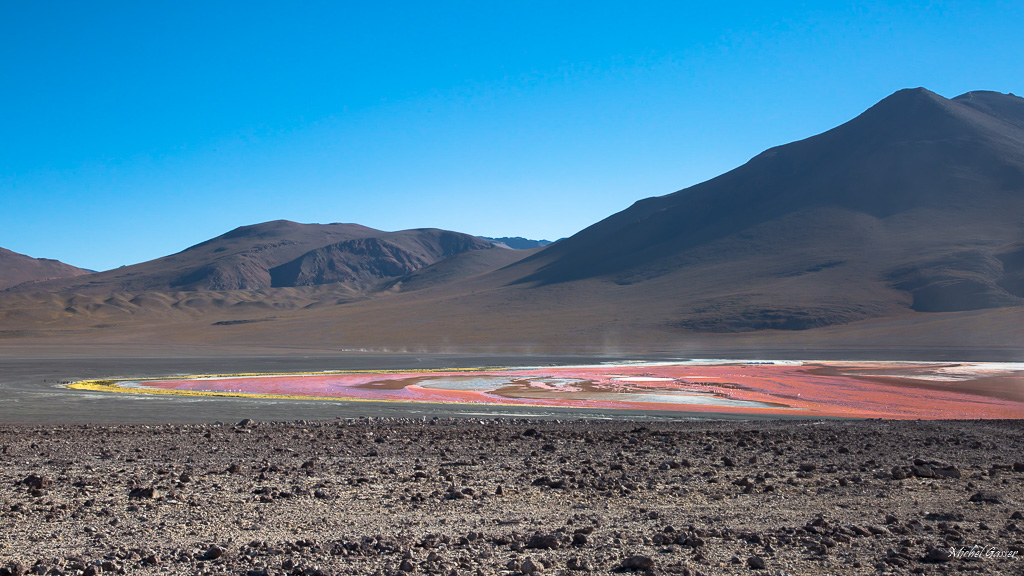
[[468, 497]]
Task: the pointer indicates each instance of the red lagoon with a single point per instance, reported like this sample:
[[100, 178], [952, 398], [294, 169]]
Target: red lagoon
[[903, 390]]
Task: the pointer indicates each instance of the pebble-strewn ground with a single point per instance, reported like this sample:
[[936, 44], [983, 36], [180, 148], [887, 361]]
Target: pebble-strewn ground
[[512, 497]]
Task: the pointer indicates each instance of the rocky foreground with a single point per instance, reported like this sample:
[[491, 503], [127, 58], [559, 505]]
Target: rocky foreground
[[513, 497]]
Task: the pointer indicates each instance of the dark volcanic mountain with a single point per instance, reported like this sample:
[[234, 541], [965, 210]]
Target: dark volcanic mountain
[[17, 268], [919, 195]]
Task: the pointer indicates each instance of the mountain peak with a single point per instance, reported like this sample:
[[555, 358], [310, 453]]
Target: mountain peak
[[907, 104], [1008, 108]]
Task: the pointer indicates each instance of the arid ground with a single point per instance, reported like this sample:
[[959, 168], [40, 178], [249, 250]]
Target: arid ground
[[486, 496]]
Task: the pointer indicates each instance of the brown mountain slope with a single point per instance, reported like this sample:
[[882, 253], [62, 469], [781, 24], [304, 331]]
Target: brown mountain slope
[[459, 268], [279, 254], [251, 273], [17, 268], [239, 259]]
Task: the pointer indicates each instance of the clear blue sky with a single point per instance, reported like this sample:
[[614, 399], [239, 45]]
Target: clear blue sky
[[132, 130]]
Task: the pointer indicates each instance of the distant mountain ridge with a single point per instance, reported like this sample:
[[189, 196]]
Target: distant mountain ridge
[[282, 253], [518, 242], [18, 268]]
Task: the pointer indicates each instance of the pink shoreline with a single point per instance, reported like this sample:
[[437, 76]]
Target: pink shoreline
[[814, 389]]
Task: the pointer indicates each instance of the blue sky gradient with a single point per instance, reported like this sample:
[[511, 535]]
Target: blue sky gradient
[[131, 130]]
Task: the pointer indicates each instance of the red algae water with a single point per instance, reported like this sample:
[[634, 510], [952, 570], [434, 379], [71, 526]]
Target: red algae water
[[902, 390]]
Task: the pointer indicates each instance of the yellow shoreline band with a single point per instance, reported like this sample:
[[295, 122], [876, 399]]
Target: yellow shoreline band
[[113, 385]]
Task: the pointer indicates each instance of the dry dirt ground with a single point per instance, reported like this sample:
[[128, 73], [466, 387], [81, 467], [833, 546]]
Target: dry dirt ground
[[503, 496]]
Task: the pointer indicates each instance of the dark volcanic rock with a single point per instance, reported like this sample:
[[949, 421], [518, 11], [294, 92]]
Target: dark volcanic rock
[[937, 555], [37, 482], [145, 492], [637, 562], [543, 541], [987, 497]]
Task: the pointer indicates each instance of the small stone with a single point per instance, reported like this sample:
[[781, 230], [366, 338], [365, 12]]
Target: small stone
[[214, 552], [147, 492], [37, 482], [807, 467], [936, 555], [637, 562], [693, 541], [529, 566], [543, 541], [922, 471], [756, 562], [406, 566], [986, 497], [578, 564]]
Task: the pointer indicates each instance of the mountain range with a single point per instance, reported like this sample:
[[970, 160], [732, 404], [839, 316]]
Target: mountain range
[[281, 254], [906, 218]]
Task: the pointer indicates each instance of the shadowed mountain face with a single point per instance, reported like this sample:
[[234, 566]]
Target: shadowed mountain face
[[367, 260], [918, 201], [17, 268]]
